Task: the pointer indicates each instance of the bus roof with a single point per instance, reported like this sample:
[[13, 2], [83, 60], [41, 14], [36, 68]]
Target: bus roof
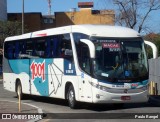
[[92, 30]]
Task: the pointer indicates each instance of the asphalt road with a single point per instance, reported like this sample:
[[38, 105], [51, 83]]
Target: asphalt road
[[86, 112]]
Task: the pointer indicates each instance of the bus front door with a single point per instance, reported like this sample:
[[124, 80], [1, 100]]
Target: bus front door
[[85, 78]]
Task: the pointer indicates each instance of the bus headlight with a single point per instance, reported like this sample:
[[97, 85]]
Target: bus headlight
[[99, 86]]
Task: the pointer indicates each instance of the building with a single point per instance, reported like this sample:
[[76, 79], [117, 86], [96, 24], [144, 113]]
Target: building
[[3, 9], [37, 21], [32, 21], [48, 21], [85, 16]]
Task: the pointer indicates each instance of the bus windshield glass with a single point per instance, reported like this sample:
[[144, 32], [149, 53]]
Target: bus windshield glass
[[120, 58]]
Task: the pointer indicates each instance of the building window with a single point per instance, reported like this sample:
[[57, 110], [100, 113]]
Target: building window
[[48, 20]]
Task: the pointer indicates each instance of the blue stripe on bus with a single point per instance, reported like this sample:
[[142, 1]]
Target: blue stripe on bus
[[19, 66], [29, 65]]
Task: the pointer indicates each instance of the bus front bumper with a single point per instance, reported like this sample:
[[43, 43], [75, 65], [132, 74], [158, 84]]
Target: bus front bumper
[[100, 96]]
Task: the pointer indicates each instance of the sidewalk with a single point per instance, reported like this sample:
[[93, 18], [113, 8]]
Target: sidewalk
[[29, 113], [12, 107]]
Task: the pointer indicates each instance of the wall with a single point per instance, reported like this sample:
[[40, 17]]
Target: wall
[[154, 72], [35, 21], [85, 16]]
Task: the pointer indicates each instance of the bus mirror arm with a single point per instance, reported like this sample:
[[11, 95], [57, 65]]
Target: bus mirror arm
[[91, 47], [154, 48]]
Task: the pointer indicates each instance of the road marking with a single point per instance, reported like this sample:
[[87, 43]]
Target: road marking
[[45, 120], [39, 109]]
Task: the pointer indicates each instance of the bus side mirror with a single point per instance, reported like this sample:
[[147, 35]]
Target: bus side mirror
[[154, 48], [91, 47]]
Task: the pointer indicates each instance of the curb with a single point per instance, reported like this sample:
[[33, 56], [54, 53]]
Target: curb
[[38, 109]]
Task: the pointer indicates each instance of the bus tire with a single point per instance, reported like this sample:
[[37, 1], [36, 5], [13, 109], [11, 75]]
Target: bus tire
[[19, 90], [71, 97]]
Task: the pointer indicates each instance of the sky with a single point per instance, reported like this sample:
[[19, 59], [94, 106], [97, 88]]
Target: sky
[[57, 5], [14, 6]]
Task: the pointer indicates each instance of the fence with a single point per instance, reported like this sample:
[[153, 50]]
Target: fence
[[154, 73]]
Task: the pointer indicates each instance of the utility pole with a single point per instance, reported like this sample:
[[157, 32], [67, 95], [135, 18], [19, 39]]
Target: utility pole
[[49, 7], [22, 16]]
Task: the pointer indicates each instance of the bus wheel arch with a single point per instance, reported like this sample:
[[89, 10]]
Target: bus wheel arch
[[18, 88], [70, 95]]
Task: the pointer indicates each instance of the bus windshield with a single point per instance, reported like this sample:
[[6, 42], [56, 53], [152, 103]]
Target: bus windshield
[[120, 58]]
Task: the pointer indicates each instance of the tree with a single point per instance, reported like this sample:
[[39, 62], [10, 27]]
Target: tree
[[155, 38], [9, 28], [134, 13]]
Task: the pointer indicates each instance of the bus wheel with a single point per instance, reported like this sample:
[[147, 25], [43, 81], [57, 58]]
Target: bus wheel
[[71, 97], [19, 90]]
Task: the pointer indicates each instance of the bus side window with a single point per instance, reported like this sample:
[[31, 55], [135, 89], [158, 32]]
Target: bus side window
[[82, 52], [17, 50], [55, 45], [14, 50], [21, 50], [48, 51], [29, 47], [66, 47], [22, 47], [84, 57], [10, 50], [40, 47], [51, 50]]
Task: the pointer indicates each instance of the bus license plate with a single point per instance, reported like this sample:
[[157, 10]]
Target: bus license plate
[[125, 98]]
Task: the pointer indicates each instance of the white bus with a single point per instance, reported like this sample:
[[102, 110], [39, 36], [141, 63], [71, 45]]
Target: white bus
[[86, 63]]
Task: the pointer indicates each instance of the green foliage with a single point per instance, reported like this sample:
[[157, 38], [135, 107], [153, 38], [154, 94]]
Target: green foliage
[[155, 38], [157, 43], [149, 52], [9, 28]]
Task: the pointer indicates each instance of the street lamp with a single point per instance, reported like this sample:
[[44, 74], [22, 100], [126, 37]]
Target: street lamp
[[22, 16]]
